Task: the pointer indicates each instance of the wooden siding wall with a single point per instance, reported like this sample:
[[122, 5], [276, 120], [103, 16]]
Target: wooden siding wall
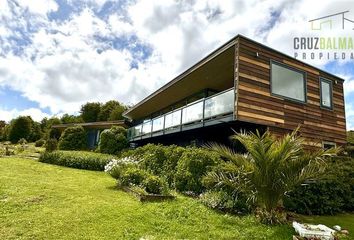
[[255, 103]]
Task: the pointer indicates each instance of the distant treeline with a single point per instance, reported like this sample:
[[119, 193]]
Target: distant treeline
[[25, 127]]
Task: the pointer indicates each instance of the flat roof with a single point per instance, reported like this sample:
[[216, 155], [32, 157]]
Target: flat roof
[[100, 125], [226, 46]]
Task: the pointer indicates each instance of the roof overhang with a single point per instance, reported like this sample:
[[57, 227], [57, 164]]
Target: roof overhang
[[216, 72], [207, 73], [93, 125]]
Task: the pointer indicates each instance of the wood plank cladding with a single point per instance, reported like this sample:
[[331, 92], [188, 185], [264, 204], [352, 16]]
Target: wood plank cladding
[[256, 104]]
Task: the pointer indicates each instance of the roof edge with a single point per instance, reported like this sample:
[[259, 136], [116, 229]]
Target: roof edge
[[213, 54]]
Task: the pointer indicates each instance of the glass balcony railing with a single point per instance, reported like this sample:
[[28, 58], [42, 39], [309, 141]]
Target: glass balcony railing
[[192, 112], [219, 104], [206, 108]]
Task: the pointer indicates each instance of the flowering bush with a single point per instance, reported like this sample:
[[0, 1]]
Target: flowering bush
[[128, 173], [116, 167]]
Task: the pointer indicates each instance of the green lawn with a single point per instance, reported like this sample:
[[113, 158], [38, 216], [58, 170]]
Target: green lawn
[[41, 201]]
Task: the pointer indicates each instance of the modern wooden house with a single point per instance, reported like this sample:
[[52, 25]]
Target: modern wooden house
[[242, 85], [93, 129]]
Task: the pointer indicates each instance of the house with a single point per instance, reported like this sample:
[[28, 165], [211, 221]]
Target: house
[[243, 85], [93, 129]]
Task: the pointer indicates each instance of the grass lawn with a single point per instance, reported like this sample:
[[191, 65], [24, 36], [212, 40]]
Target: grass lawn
[[41, 201]]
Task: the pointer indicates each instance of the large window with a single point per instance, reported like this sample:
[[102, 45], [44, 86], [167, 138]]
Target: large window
[[326, 93], [288, 82]]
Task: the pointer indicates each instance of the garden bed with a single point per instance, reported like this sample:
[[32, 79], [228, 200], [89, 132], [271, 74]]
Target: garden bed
[[146, 197]]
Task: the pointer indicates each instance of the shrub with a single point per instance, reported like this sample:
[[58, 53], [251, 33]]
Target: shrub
[[113, 140], [225, 201], [22, 141], [51, 145], [77, 159], [127, 172], [116, 167], [133, 176], [158, 159], [350, 150], [332, 193], [54, 133], [153, 184], [192, 166], [39, 143], [73, 138]]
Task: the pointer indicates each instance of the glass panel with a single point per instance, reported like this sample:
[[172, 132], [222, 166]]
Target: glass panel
[[220, 104], [173, 119], [288, 83], [136, 131], [326, 97], [157, 124], [193, 113], [146, 127]]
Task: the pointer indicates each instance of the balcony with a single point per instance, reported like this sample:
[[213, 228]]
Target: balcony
[[204, 112]]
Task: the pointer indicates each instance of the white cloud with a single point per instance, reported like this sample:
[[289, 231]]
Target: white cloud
[[39, 7], [35, 113], [67, 63]]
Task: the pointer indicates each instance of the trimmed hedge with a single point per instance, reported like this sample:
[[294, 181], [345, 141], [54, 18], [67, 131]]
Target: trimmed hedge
[[332, 193], [77, 159], [73, 138], [113, 140]]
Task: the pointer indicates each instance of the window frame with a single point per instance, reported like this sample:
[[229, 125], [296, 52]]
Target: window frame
[[331, 92], [333, 144], [304, 74]]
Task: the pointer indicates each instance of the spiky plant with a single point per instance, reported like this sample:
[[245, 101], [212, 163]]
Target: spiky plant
[[271, 168]]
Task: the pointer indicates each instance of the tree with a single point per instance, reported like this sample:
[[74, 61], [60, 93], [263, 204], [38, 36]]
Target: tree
[[21, 128], [36, 132], [117, 113], [46, 123], [89, 111], [66, 118], [271, 168], [73, 138], [108, 108]]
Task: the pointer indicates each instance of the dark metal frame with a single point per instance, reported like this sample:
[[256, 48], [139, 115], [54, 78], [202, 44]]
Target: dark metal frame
[[322, 79], [292, 69], [189, 125]]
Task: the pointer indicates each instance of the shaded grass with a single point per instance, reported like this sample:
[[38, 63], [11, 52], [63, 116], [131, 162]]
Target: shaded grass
[[41, 201]]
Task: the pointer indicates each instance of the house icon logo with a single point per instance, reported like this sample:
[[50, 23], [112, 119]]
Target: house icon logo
[[337, 20]]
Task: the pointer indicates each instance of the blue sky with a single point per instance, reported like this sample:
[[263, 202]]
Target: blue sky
[[57, 55]]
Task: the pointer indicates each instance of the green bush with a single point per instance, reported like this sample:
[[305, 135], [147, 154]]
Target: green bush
[[39, 143], [158, 159], [77, 159], [192, 166], [133, 176], [332, 193], [22, 141], [153, 184], [223, 197], [225, 201], [73, 138], [128, 173], [113, 140], [51, 145], [350, 150], [54, 133]]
